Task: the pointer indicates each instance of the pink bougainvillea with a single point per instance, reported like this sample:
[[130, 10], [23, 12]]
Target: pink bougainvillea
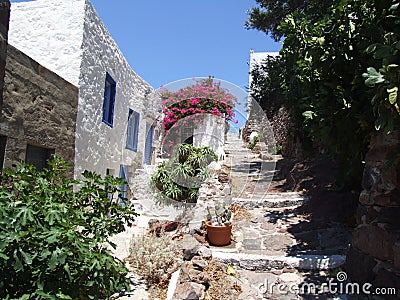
[[204, 96]]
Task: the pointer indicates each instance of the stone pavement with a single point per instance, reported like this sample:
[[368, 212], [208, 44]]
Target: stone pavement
[[269, 245], [272, 246]]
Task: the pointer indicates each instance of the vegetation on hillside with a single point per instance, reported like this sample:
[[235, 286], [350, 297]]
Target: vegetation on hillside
[[338, 73]]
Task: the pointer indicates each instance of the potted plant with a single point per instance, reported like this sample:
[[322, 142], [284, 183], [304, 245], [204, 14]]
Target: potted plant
[[219, 225]]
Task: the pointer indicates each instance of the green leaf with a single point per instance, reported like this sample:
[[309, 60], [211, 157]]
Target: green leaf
[[63, 296], [394, 6], [371, 48], [382, 51], [52, 239], [27, 257], [53, 262], [18, 266], [373, 77], [393, 94], [308, 115]]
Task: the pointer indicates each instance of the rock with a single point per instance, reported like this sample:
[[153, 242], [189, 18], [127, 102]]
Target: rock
[[359, 266], [277, 242], [205, 252], [252, 244], [189, 291], [189, 246], [223, 177], [198, 276], [374, 241], [254, 220], [276, 272], [396, 252], [268, 226], [197, 261]]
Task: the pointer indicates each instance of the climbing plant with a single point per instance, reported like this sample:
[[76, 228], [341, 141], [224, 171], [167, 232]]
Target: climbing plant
[[203, 96]]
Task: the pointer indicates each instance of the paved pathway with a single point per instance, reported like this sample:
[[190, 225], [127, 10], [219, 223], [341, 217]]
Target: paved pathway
[[270, 250], [269, 246]]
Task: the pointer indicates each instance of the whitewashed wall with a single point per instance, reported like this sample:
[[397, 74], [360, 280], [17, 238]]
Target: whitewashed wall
[[99, 146], [50, 32], [69, 38], [211, 132]]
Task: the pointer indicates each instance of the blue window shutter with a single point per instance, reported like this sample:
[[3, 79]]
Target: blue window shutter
[[110, 90], [132, 130], [148, 145]]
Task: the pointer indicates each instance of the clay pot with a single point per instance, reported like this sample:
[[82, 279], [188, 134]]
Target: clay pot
[[219, 235]]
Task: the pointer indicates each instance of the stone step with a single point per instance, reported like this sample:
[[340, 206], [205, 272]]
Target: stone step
[[272, 201], [257, 262]]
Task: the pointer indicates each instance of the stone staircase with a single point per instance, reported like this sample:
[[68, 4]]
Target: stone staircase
[[268, 243]]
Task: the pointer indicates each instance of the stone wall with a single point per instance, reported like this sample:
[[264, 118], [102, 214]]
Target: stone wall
[[4, 20], [375, 253], [39, 109]]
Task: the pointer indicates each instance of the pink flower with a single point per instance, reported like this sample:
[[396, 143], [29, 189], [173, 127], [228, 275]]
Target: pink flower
[[195, 101], [236, 121]]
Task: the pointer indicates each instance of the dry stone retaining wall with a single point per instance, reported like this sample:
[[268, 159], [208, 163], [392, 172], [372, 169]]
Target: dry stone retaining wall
[[375, 253]]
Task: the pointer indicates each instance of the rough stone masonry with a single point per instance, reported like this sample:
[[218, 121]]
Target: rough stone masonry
[[4, 21], [375, 253]]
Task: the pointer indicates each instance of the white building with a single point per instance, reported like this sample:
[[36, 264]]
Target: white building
[[117, 109]]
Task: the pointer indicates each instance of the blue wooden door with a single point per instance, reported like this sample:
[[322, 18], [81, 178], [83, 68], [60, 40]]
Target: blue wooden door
[[148, 149]]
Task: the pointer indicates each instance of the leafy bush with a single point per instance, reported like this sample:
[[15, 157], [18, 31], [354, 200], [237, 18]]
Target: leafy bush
[[54, 231], [338, 74], [180, 177], [155, 258]]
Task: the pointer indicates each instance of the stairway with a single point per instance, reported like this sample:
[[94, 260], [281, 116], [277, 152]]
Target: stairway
[[268, 241]]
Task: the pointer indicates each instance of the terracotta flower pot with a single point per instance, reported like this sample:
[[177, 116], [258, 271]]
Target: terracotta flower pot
[[219, 235]]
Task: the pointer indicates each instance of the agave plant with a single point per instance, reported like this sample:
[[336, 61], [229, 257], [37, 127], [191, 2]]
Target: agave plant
[[181, 171], [183, 151], [180, 177], [173, 190]]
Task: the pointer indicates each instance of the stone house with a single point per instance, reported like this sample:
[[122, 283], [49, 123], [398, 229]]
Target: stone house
[[39, 113], [117, 110]]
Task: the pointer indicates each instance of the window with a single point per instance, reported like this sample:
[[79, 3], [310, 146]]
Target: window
[[109, 100], [38, 156], [3, 143], [132, 131], [187, 134]]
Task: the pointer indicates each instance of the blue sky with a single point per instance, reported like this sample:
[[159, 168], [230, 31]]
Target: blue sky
[[166, 41]]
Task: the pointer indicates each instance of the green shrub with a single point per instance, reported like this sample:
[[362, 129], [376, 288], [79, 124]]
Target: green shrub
[[54, 231], [180, 177]]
